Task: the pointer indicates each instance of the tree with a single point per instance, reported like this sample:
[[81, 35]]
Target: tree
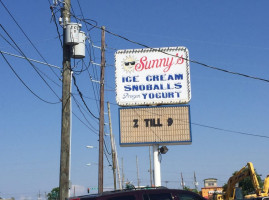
[[247, 186], [54, 194], [129, 186], [186, 188], [189, 189]]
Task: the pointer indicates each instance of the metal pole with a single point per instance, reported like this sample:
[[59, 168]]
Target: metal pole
[[65, 127], [112, 147], [150, 168], [101, 116], [122, 173], [157, 166], [138, 182]]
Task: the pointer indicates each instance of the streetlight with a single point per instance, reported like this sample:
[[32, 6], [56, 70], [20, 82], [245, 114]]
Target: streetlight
[[90, 147], [89, 164]]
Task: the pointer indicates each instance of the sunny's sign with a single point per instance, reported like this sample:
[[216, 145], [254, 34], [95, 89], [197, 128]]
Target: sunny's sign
[[152, 76]]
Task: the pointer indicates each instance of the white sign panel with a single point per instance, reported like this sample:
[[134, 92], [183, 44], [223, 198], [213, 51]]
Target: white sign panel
[[152, 76]]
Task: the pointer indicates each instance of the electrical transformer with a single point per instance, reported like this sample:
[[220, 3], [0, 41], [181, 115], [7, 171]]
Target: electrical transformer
[[78, 50], [72, 33]]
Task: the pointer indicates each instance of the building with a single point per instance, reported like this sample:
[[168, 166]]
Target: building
[[210, 188]]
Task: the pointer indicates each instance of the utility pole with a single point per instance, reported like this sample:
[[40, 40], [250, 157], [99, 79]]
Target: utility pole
[[117, 164], [195, 182], [138, 181], [101, 116], [112, 147], [65, 127], [182, 181]]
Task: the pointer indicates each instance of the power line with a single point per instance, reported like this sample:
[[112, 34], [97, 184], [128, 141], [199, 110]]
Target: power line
[[29, 61], [82, 121], [109, 152], [216, 128], [211, 127], [81, 96], [193, 61], [27, 36], [80, 106], [107, 159], [54, 20], [50, 65], [25, 83], [92, 128], [231, 131]]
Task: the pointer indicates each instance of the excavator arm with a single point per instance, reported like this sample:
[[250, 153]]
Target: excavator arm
[[266, 186], [246, 171]]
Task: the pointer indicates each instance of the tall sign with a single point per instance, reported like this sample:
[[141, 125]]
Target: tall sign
[[153, 76]]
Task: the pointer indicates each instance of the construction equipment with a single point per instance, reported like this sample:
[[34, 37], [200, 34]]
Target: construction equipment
[[265, 191], [266, 185], [246, 171]]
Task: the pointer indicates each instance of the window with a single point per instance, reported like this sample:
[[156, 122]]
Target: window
[[187, 197], [163, 196], [129, 197]]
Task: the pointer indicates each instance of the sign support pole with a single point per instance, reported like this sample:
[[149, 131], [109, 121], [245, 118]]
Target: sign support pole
[[157, 166]]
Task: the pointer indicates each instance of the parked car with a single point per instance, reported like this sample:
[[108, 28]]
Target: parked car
[[159, 193]]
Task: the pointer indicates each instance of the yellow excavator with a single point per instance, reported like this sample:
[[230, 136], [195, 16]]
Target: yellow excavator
[[264, 192], [246, 171]]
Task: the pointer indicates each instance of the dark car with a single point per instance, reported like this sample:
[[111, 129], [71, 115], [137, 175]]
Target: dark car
[[143, 194]]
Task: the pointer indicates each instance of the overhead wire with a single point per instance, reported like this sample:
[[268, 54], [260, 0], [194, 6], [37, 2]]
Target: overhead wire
[[95, 131], [192, 61], [34, 67], [27, 37], [13, 70], [82, 108], [82, 121], [105, 142], [49, 65], [107, 159], [108, 152], [36, 62], [95, 89], [215, 128], [55, 22], [81, 96], [230, 131]]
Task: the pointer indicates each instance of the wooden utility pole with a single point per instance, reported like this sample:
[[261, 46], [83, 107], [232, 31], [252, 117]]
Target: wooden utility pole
[[112, 147], [65, 129], [101, 116]]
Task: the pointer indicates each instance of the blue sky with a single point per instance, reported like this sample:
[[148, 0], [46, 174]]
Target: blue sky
[[231, 35]]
